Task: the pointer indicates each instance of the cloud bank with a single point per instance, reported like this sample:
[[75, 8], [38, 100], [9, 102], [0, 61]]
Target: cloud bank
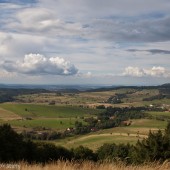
[[37, 64]]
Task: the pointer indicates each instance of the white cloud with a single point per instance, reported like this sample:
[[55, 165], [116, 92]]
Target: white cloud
[[157, 72], [37, 64], [133, 71], [153, 72]]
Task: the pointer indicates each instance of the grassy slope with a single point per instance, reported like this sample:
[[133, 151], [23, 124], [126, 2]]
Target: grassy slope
[[8, 115], [55, 123], [57, 117], [32, 110], [160, 114], [130, 134], [94, 141]]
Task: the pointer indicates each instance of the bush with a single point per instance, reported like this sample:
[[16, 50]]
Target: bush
[[83, 153]]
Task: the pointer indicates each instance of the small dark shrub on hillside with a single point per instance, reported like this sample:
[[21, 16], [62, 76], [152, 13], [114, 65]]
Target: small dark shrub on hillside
[[100, 107], [83, 153], [113, 152], [46, 152]]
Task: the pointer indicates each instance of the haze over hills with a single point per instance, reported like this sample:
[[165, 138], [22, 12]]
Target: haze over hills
[[74, 87], [55, 87]]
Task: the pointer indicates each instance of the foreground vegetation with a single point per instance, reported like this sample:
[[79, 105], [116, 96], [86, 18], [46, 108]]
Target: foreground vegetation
[[86, 165], [14, 148]]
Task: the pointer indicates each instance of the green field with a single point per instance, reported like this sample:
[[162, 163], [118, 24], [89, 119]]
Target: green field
[[160, 114], [148, 123], [94, 141], [56, 117], [55, 123], [32, 110]]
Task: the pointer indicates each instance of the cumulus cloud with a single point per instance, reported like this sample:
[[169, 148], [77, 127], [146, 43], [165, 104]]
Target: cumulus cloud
[[133, 71], [153, 72], [37, 64]]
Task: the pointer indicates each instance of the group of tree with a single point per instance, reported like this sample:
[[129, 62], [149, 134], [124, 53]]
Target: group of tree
[[115, 99], [13, 148], [156, 97], [9, 94], [47, 135], [112, 117]]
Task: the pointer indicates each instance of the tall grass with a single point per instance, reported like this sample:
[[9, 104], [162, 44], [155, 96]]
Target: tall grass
[[64, 165]]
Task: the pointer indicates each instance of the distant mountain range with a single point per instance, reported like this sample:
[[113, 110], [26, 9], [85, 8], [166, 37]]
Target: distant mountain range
[[74, 88], [52, 87]]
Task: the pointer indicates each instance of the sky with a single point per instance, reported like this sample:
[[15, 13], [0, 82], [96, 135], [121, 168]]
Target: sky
[[106, 42]]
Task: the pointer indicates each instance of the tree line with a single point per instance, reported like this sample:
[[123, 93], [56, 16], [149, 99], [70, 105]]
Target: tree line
[[9, 94], [14, 148]]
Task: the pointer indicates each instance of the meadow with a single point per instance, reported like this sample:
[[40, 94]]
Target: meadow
[[58, 111], [55, 117]]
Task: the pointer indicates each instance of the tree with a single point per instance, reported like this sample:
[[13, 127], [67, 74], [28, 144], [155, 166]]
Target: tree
[[11, 144], [107, 152], [46, 152], [83, 153], [151, 148]]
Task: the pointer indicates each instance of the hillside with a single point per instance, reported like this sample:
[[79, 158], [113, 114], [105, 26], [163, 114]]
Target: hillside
[[41, 113]]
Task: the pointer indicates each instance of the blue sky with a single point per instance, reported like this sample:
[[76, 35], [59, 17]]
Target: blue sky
[[85, 42]]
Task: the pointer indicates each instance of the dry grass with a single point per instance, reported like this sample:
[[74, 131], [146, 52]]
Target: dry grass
[[61, 165]]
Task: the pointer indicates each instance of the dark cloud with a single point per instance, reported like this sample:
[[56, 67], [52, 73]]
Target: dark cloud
[[153, 51], [157, 51], [19, 1]]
